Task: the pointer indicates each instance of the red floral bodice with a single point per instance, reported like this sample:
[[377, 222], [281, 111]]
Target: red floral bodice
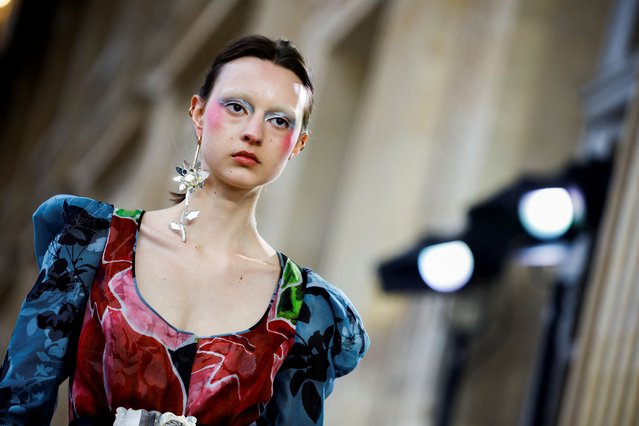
[[129, 356]]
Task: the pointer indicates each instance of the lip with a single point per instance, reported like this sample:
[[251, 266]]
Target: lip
[[246, 158]]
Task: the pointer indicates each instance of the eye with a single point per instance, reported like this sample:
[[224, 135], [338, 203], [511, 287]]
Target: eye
[[280, 122], [235, 107]]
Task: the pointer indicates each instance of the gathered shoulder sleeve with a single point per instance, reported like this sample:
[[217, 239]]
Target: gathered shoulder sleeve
[[70, 235], [329, 343]]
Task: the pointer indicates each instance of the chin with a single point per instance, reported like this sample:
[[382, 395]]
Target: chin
[[249, 182], [243, 184]]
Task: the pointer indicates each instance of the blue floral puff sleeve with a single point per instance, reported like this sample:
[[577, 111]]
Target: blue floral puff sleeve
[[70, 234], [330, 341]]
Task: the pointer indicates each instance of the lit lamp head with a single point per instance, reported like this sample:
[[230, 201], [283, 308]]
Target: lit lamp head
[[440, 264], [446, 267], [549, 213]]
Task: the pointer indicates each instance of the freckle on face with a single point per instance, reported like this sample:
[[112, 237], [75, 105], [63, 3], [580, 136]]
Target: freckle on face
[[214, 115]]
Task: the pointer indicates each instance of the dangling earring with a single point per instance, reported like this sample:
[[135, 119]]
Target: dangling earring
[[190, 179]]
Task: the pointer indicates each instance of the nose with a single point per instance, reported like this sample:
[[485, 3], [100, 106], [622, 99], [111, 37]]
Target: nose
[[253, 130]]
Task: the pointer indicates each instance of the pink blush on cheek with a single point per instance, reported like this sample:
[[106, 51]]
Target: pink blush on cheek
[[288, 142], [214, 115]]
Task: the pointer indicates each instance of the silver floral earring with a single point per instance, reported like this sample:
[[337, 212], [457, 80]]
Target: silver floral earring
[[190, 178]]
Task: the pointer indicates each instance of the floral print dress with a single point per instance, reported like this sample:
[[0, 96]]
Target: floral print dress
[[86, 319]]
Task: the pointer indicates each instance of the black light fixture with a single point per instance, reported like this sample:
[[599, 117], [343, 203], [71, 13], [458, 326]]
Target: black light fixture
[[536, 213], [439, 264]]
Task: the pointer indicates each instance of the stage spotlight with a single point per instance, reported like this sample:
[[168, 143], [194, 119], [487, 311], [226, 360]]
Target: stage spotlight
[[536, 217], [548, 213], [446, 267]]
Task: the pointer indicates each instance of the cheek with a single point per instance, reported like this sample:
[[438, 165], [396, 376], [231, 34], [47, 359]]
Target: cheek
[[287, 142], [214, 116]]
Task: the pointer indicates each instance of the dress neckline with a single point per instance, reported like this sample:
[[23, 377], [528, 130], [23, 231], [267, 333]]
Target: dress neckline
[[264, 317]]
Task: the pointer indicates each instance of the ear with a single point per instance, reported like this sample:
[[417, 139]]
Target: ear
[[299, 145], [197, 114]]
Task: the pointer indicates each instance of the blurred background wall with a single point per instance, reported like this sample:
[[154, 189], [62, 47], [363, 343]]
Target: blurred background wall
[[423, 108]]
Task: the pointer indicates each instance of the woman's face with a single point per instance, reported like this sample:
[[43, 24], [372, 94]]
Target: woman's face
[[251, 123]]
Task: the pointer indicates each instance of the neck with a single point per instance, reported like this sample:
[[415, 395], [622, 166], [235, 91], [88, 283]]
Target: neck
[[226, 221]]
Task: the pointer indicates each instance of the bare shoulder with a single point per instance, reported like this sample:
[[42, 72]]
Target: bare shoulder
[[155, 230], [158, 250]]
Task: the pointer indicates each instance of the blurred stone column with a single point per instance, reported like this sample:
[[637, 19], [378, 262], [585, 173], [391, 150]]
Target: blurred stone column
[[603, 385]]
